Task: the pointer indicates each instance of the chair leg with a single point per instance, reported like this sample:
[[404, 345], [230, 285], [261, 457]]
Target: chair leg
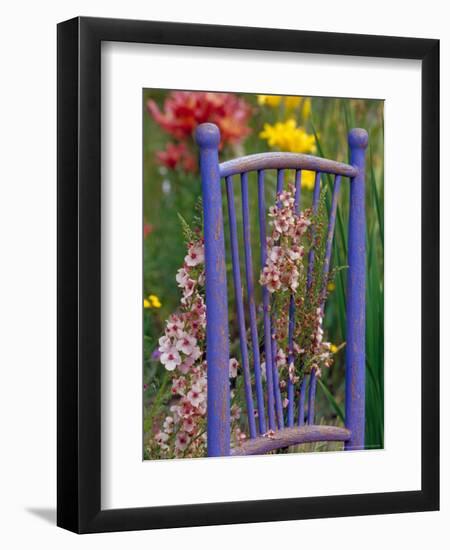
[[356, 296], [217, 346]]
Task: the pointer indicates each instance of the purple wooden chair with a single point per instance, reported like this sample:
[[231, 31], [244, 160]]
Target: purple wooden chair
[[285, 430]]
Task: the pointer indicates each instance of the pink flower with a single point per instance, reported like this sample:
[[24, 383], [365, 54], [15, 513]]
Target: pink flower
[[161, 438], [270, 278], [182, 441], [186, 365], [168, 425], [263, 370], [182, 277], [176, 412], [188, 425], [239, 435], [233, 366], [178, 385], [186, 344], [295, 252], [165, 344], [195, 396], [186, 408], [174, 326], [170, 359], [275, 253], [280, 358], [270, 434], [273, 210], [195, 255], [188, 288], [200, 380], [196, 353], [283, 224], [235, 412], [315, 368], [286, 199], [298, 349], [293, 282], [291, 371]]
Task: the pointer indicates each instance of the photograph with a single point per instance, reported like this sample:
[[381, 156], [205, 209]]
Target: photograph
[[301, 366], [228, 217]]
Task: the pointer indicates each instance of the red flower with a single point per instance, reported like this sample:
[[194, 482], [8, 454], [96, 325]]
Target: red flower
[[184, 111], [148, 228], [176, 156]]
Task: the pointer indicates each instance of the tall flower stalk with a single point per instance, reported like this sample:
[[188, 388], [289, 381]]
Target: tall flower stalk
[[285, 275], [182, 352]]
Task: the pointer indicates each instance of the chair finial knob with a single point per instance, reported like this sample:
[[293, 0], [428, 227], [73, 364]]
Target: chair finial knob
[[207, 135], [358, 137]]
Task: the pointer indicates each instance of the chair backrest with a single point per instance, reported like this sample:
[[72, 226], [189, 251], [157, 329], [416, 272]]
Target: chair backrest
[[268, 399]]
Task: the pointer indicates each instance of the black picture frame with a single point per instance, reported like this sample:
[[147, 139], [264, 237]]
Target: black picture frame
[[79, 279]]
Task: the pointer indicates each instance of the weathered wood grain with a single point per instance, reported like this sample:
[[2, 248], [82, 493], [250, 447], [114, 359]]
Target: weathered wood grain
[[277, 160], [291, 436]]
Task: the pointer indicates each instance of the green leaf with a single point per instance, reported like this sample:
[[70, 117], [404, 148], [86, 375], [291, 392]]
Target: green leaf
[[336, 407]]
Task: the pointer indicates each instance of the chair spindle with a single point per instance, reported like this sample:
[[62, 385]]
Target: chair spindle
[[240, 307], [251, 303], [266, 303]]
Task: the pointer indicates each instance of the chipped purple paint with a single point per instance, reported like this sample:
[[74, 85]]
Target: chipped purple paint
[[266, 303], [291, 357], [280, 181], [301, 401], [312, 396], [276, 381], [356, 295], [330, 235], [251, 303], [240, 307], [217, 352], [298, 189], [315, 206], [312, 376], [291, 436], [275, 160]]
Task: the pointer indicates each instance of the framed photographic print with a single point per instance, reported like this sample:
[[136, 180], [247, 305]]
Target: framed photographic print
[[248, 255]]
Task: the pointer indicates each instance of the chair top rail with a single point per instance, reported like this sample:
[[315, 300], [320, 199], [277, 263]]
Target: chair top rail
[[277, 160], [291, 436]]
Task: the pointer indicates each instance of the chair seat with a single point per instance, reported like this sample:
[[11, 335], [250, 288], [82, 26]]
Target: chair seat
[[291, 436]]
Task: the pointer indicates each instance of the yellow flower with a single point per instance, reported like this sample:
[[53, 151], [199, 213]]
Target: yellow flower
[[331, 286], [306, 107], [292, 102], [154, 300], [270, 100], [333, 348], [308, 179], [287, 136]]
